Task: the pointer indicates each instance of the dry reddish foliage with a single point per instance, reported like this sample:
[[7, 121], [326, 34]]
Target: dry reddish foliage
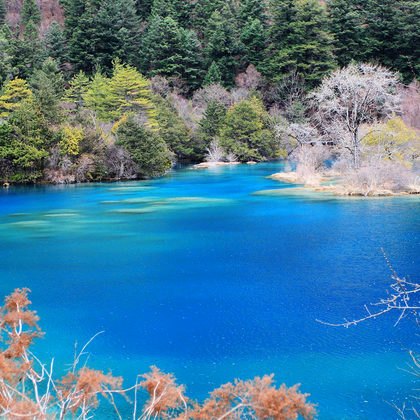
[[166, 397], [254, 399], [21, 373]]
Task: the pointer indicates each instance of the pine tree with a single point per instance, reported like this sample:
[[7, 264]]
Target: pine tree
[[56, 44], [103, 32], [3, 12], [23, 141], [35, 54], [245, 132], [126, 91], [48, 86], [184, 10], [163, 8], [129, 91], [212, 121], [254, 39], [30, 11], [27, 54], [161, 48], [73, 10], [15, 91], [191, 58], [222, 44], [346, 23], [383, 19], [299, 42], [408, 41], [172, 52], [143, 8], [78, 89], [6, 69], [172, 128], [213, 75], [147, 149], [252, 9], [202, 13], [97, 96]]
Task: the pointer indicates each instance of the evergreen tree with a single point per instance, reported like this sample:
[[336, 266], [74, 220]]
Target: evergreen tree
[[191, 58], [252, 9], [6, 69], [48, 86], [383, 19], [129, 91], [213, 75], [299, 42], [143, 8], [163, 8], [56, 44], [14, 93], [23, 142], [73, 10], [346, 20], [103, 32], [27, 54], [30, 11], [3, 12], [184, 10], [408, 41], [172, 128], [97, 96], [148, 151], [222, 44], [6, 32], [202, 13], [212, 121], [170, 51], [254, 39], [78, 89], [126, 91], [246, 133]]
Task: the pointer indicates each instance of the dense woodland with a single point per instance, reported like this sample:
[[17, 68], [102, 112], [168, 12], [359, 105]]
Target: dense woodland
[[125, 89]]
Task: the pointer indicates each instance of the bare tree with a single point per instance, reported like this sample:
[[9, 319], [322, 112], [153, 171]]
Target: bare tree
[[250, 80], [214, 153], [207, 94], [402, 298], [352, 96]]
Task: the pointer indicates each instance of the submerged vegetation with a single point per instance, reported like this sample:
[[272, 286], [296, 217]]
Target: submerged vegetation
[[122, 90]]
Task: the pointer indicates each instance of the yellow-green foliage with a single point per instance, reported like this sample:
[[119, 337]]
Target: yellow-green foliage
[[126, 91], [122, 120], [97, 96], [393, 141], [15, 92], [70, 139], [246, 131], [78, 88]]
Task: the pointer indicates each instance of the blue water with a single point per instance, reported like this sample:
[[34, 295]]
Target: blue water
[[205, 274]]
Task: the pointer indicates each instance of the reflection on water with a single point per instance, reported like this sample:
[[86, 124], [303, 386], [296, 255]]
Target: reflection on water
[[218, 274]]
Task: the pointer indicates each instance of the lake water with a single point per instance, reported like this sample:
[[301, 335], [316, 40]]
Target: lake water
[[206, 274]]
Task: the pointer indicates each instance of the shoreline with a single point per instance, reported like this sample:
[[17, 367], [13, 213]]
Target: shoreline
[[318, 184]]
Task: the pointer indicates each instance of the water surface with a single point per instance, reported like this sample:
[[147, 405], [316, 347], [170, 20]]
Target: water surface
[[206, 275]]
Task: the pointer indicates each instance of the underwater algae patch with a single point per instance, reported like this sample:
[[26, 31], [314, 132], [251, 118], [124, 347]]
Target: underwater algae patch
[[171, 203]]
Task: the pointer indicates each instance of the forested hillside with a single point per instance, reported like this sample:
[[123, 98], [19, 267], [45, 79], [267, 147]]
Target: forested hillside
[[99, 89]]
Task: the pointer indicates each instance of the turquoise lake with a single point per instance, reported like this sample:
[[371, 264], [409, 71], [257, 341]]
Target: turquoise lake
[[209, 276]]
